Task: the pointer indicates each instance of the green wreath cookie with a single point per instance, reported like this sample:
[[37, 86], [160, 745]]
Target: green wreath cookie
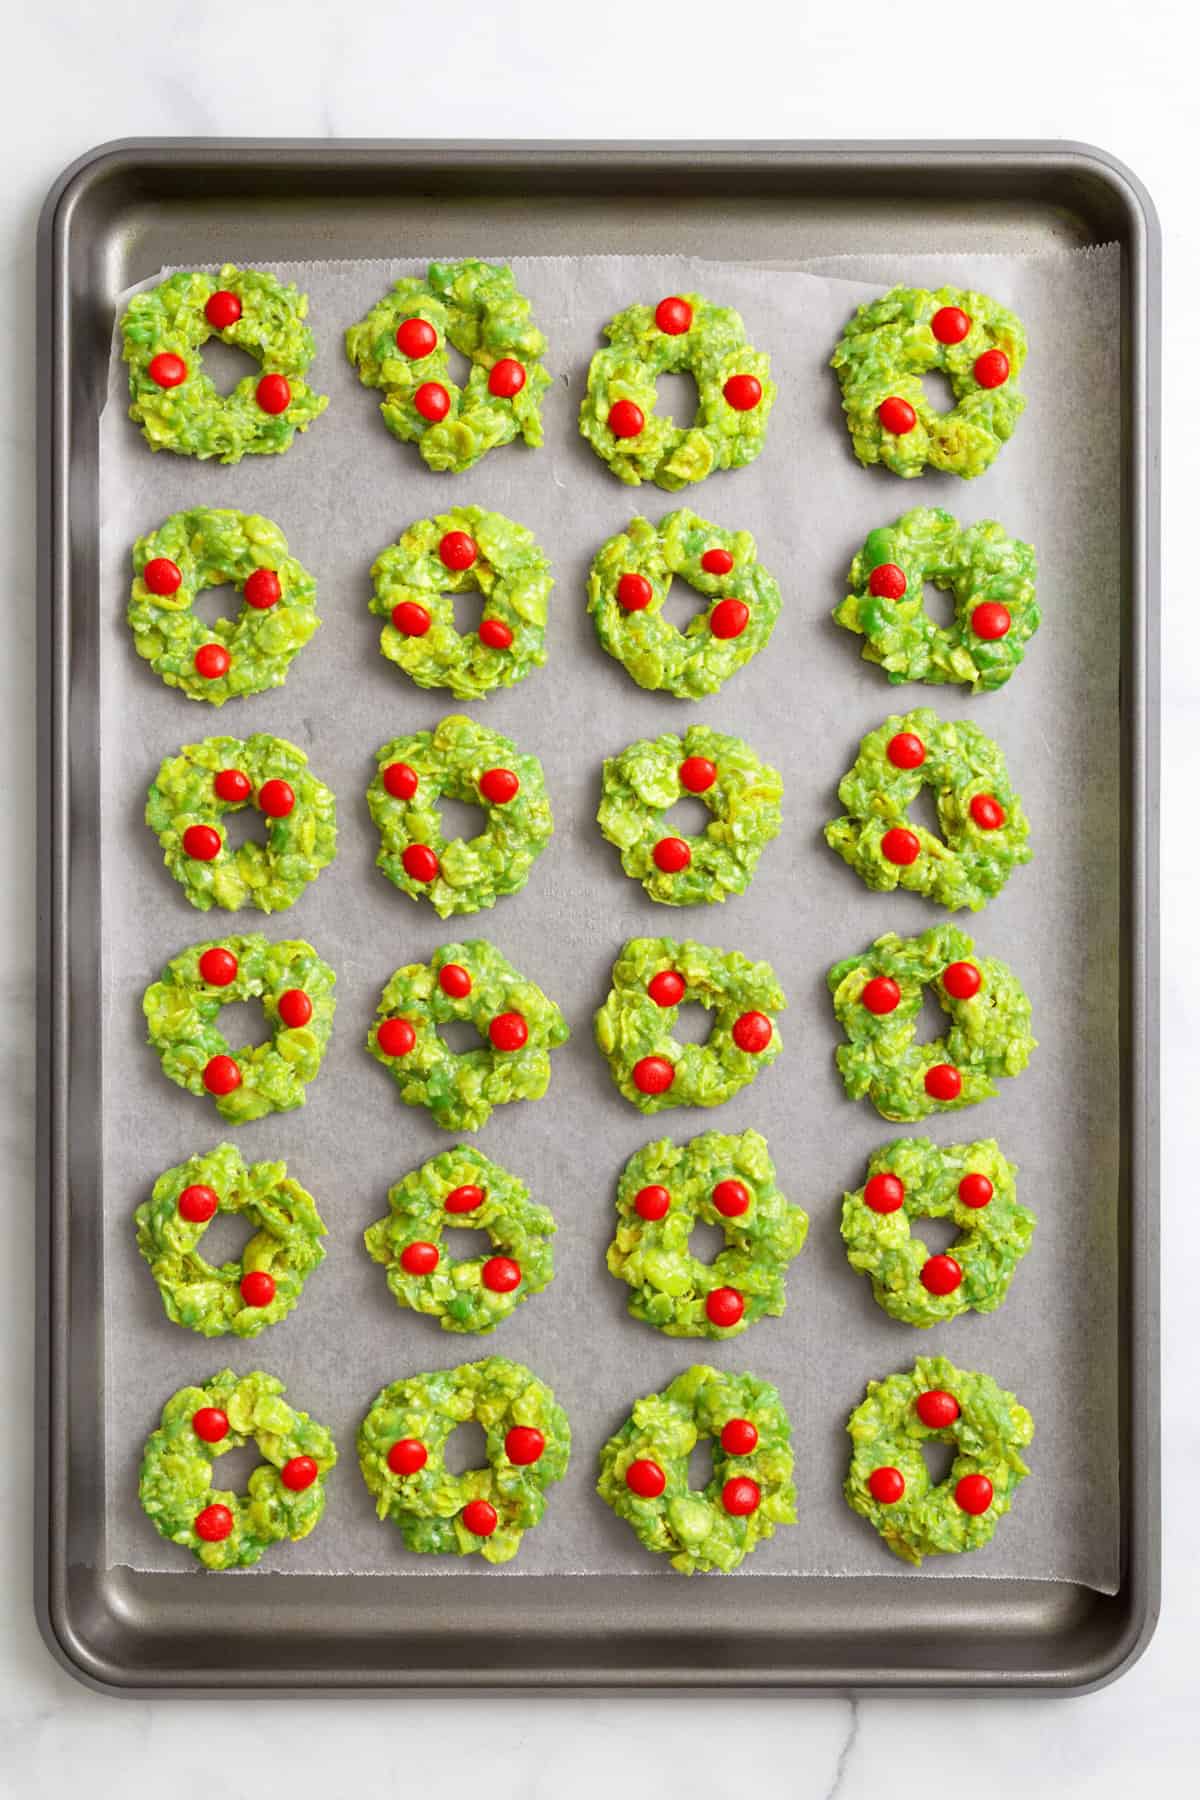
[[175, 401], [742, 794], [461, 1187], [684, 334], [912, 1178], [400, 348], [459, 760], [992, 577], [182, 1008], [194, 790], [285, 1496], [466, 550], [206, 548], [644, 1469], [890, 1485], [264, 1284], [517, 1024], [877, 999], [651, 979], [729, 1182], [631, 578], [984, 829], [887, 347], [483, 1512]]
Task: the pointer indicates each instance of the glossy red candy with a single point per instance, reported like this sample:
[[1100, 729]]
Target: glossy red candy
[[274, 393], [454, 980], [395, 1037], [420, 1258], [197, 1204], [257, 1287], [295, 1008], [167, 370], [937, 1409], [724, 1307], [652, 1203], [975, 1190], [887, 581], [671, 855], [221, 1075], [480, 1517], [900, 846], [645, 1479], [974, 1493], [991, 620], [210, 1424], [276, 798], [524, 1444], [400, 780], [506, 379], [211, 661], [884, 1192], [231, 786], [508, 1031], [458, 550], [667, 988], [406, 1456], [743, 392], [991, 369], [941, 1275], [499, 786], [653, 1075], [415, 338], [731, 1198], [162, 576], [752, 1032], [673, 315], [202, 843], [950, 325], [741, 1496], [495, 634], [262, 589], [881, 995], [218, 966], [905, 750], [432, 401], [886, 1485], [896, 416], [961, 980], [500, 1274], [420, 863], [943, 1082], [222, 309], [697, 774], [298, 1473], [214, 1523], [634, 592], [625, 420], [739, 1437]]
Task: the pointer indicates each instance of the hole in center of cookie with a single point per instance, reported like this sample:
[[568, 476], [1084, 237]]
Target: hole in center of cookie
[[462, 1245], [458, 365], [706, 1242], [215, 603], [459, 1036], [468, 610], [225, 1238], [923, 813], [936, 1234], [246, 826], [231, 1473], [936, 386], [693, 1026], [682, 604], [243, 1025], [688, 818], [700, 1466], [226, 365], [677, 399], [931, 1022], [466, 1448], [460, 819], [939, 605], [938, 1458]]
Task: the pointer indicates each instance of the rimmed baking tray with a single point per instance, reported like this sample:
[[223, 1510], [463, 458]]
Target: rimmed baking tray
[[115, 217]]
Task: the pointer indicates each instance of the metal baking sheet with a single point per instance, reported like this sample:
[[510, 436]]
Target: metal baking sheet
[[774, 1646]]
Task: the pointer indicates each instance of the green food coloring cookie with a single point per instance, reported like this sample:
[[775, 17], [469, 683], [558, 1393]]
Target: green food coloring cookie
[[483, 1512], [644, 1469], [400, 348]]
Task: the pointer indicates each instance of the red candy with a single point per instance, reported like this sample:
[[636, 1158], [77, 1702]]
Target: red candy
[[884, 1193], [458, 550], [752, 1032], [221, 1075], [653, 1075], [739, 1437], [276, 798], [214, 1523], [463, 1199], [298, 1473], [400, 780], [419, 1258], [406, 1456], [743, 392], [900, 846], [991, 369], [974, 1493], [887, 581], [716, 561], [625, 420], [729, 618], [500, 1274], [886, 1485], [262, 589], [257, 1287], [415, 338], [420, 863], [210, 1424], [295, 1008], [697, 774], [524, 1444], [218, 966], [634, 592], [652, 1203], [645, 1479], [991, 620], [411, 618], [731, 1198], [961, 980], [724, 1307], [896, 416], [495, 634], [506, 379], [741, 1496], [950, 325], [432, 401], [987, 812], [211, 661], [454, 980], [975, 1190], [480, 1517], [202, 842], [167, 370], [943, 1082], [906, 751], [508, 1031], [274, 393], [671, 854], [673, 315], [197, 1204], [881, 994], [937, 1409], [499, 786], [395, 1037], [667, 988], [162, 576], [232, 786], [941, 1275], [222, 309]]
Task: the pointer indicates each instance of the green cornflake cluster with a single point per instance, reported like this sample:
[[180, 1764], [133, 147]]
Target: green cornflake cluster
[[632, 1026], [669, 1286], [461, 1090], [193, 418], [889, 345], [286, 1243], [270, 875], [989, 1034], [644, 782], [475, 307], [456, 1291], [428, 1504], [980, 565], [212, 547], [177, 1469], [993, 1237], [450, 762], [971, 861], [182, 1008], [696, 661], [712, 349], [694, 1529], [988, 1436], [509, 570]]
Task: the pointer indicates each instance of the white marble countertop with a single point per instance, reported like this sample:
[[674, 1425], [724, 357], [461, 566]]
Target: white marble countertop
[[1120, 76]]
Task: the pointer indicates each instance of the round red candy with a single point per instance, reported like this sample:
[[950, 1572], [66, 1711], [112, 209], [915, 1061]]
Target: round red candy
[[743, 392], [197, 1204], [419, 1258], [625, 420], [884, 1192], [896, 416], [495, 634], [974, 1493], [991, 620], [420, 863], [887, 581], [210, 1424], [634, 592], [739, 1437], [724, 1307], [480, 1517], [454, 980], [276, 798], [950, 325], [231, 786], [905, 750], [524, 1444], [218, 966], [202, 842], [221, 1075], [257, 1287], [222, 309], [975, 1190], [937, 1409], [458, 550], [262, 589], [506, 379], [729, 618], [987, 812], [731, 1198], [400, 780], [211, 661], [214, 1523], [274, 393], [298, 1473], [886, 1485], [645, 1479], [499, 786], [943, 1082], [741, 1496], [697, 774], [508, 1031], [411, 618], [500, 1274], [667, 988], [881, 994], [900, 846], [673, 315], [961, 980], [653, 1075], [432, 401], [406, 1456], [991, 369], [752, 1032], [716, 561], [463, 1199], [395, 1037], [295, 1008], [652, 1203], [941, 1275], [671, 854], [162, 576], [167, 370], [415, 338]]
